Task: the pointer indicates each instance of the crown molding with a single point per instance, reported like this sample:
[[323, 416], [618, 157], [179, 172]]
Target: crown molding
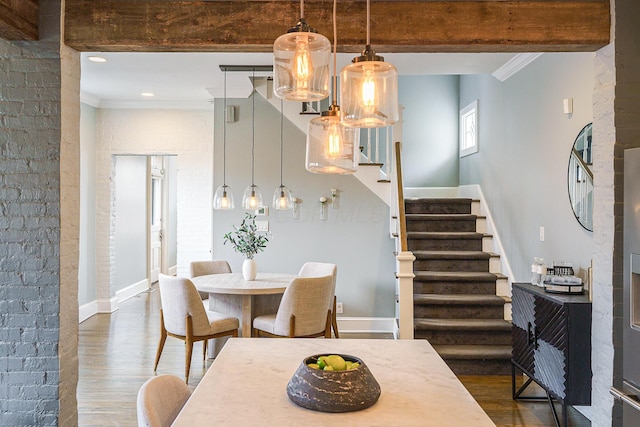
[[514, 65]]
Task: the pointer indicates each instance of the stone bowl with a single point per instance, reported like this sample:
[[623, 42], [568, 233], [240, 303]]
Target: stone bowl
[[333, 391]]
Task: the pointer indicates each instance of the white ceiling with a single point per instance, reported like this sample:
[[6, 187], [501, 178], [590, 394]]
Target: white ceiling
[[192, 80]]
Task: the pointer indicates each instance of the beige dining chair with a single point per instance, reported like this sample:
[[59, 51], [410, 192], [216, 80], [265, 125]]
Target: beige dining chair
[[160, 399], [202, 268], [316, 269], [302, 311], [183, 316]]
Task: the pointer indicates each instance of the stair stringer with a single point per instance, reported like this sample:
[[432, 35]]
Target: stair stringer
[[369, 175]]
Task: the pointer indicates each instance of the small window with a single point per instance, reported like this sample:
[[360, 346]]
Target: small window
[[469, 129]]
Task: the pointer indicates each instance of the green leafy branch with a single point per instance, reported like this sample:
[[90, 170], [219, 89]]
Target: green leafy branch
[[246, 239]]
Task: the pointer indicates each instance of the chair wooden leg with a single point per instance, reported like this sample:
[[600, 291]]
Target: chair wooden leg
[[204, 349], [292, 326], [163, 338], [327, 328], [334, 320], [188, 349]]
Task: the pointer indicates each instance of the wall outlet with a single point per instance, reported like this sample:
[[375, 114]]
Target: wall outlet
[[262, 225], [542, 234], [338, 308]]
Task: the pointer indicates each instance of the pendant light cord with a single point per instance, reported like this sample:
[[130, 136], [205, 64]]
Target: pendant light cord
[[302, 9], [224, 134], [281, 137], [253, 127], [335, 54], [368, 21]]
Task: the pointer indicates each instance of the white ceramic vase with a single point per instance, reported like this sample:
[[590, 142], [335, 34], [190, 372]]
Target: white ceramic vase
[[249, 269]]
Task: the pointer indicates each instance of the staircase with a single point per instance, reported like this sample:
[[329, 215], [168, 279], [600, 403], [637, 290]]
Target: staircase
[[455, 303]]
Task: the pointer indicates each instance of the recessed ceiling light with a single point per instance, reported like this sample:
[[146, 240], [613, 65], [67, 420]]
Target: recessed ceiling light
[[148, 94], [96, 59]]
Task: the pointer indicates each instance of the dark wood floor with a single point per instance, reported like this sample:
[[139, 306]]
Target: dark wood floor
[[116, 354]]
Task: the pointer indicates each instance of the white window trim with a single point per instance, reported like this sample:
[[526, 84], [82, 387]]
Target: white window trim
[[472, 108]]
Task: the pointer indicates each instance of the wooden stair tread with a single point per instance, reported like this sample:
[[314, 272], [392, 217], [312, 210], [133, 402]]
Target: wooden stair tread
[[457, 299], [451, 255], [497, 325], [371, 164], [456, 276], [474, 351], [452, 200], [442, 235], [440, 217]]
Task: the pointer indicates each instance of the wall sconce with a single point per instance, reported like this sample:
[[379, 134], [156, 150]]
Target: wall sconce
[[296, 208], [323, 208], [335, 200]]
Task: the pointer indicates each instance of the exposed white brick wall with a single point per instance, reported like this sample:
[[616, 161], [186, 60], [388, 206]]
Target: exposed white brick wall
[[604, 137], [70, 235], [186, 134]]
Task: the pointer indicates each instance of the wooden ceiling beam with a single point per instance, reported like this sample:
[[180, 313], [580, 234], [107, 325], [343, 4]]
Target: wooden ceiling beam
[[19, 19], [396, 26]]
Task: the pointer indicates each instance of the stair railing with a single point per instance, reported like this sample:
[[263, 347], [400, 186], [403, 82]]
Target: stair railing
[[404, 258]]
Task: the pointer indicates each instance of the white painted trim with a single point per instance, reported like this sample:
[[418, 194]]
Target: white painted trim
[[157, 105], [87, 310], [107, 306], [366, 324], [475, 192], [514, 65], [132, 290], [173, 270], [430, 192], [92, 100]]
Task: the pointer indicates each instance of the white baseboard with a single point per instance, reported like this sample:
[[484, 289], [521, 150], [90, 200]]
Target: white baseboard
[[132, 290], [375, 325], [107, 306], [475, 192], [87, 310], [173, 271]]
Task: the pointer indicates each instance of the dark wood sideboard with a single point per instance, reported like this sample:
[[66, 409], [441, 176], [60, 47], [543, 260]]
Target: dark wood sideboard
[[552, 345]]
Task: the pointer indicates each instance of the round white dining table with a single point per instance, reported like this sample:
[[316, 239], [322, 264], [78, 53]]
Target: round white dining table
[[230, 294]]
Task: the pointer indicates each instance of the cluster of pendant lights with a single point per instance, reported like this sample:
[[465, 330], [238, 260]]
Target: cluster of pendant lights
[[368, 91], [252, 197], [369, 94]]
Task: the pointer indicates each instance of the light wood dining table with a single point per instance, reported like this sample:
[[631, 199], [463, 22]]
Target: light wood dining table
[[246, 386], [230, 294]]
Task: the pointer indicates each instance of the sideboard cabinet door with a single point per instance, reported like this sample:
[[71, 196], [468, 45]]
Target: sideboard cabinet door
[[552, 341]]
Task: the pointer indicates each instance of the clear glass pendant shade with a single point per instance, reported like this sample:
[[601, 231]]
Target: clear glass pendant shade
[[223, 199], [301, 65], [332, 148], [369, 92], [252, 198], [282, 199]]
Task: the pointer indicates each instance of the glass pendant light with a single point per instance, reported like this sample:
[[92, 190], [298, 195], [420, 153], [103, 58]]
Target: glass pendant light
[[282, 199], [331, 146], [301, 63], [223, 198], [252, 197], [369, 89]]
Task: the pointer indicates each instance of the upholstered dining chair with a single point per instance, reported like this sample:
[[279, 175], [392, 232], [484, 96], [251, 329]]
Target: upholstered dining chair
[[160, 399], [183, 316], [316, 269], [302, 311], [202, 268]]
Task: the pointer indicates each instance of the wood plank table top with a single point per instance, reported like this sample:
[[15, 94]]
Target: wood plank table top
[[246, 385]]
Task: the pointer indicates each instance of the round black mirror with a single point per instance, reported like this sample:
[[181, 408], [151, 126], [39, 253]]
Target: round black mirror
[[580, 178]]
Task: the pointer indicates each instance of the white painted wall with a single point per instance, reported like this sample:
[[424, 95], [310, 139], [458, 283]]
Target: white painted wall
[[130, 237], [429, 130], [524, 145]]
